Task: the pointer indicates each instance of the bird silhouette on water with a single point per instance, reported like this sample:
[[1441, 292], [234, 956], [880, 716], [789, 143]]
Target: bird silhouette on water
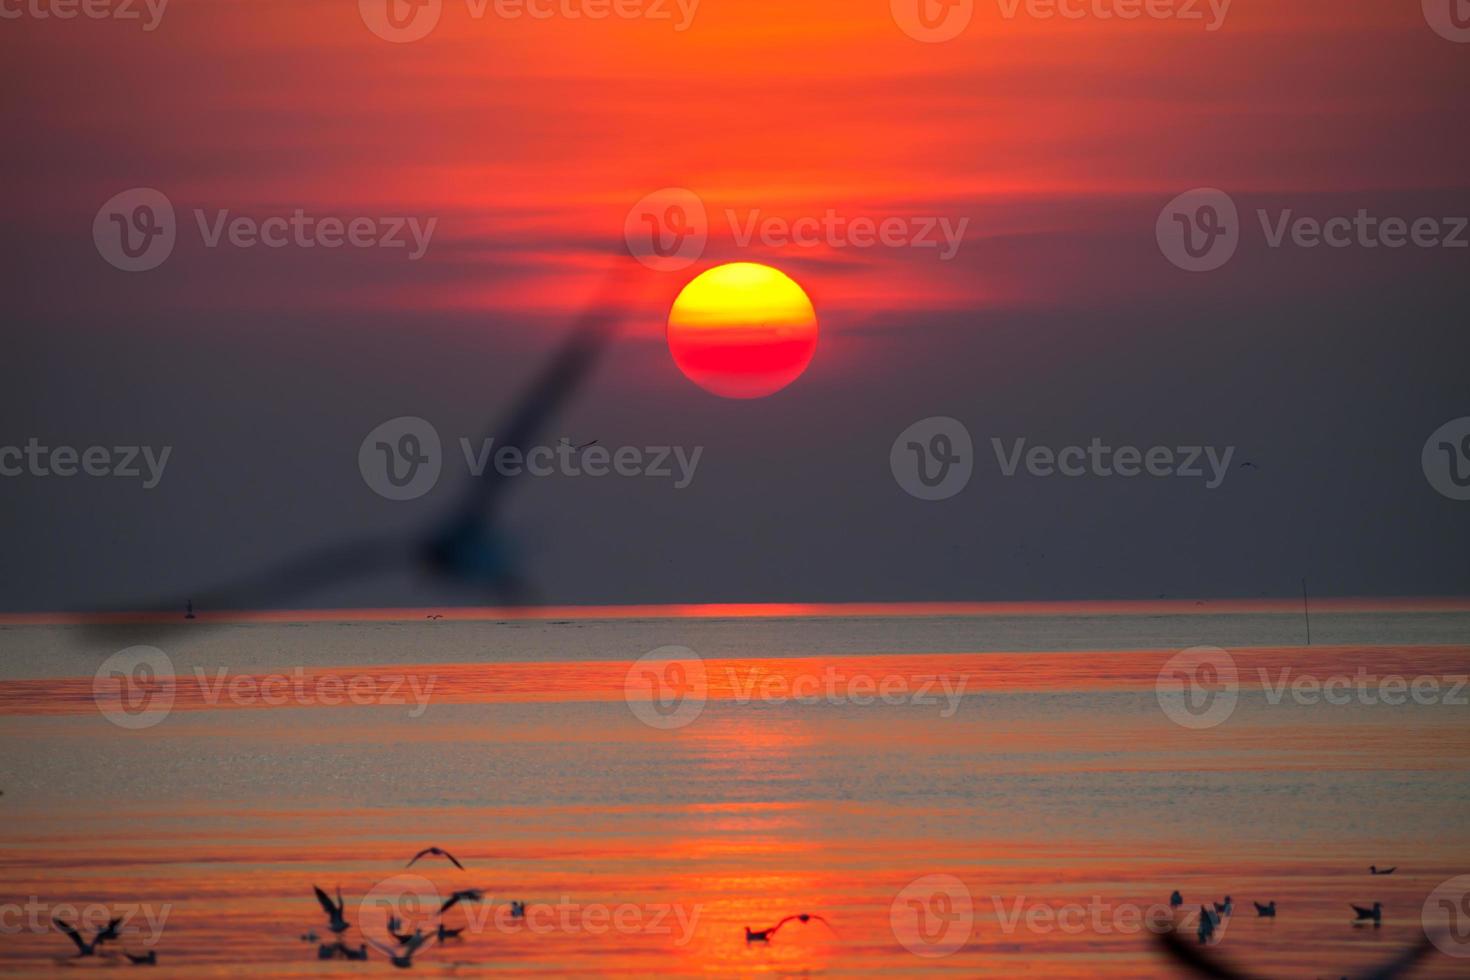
[[764, 935], [84, 947]]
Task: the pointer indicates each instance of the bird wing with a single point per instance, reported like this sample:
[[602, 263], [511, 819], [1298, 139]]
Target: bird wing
[[1195, 959], [824, 922], [1401, 963], [554, 386], [450, 903], [452, 860], [72, 932], [109, 933], [289, 578], [326, 903], [427, 850]]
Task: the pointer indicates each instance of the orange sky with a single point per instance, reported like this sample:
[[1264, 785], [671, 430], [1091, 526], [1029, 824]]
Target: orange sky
[[530, 139]]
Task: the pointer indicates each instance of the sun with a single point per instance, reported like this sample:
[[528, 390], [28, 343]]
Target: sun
[[742, 330]]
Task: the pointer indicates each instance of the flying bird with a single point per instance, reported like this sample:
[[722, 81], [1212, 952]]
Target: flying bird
[[1202, 962], [764, 935], [85, 948], [1176, 899], [467, 895], [1267, 911], [436, 852], [334, 910], [1225, 907], [445, 933], [1374, 869], [149, 958], [468, 547], [403, 958]]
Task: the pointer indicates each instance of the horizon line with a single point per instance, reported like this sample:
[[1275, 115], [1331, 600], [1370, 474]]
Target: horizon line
[[759, 610]]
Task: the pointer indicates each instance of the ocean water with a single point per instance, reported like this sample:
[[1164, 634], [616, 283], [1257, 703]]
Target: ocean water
[[988, 794]]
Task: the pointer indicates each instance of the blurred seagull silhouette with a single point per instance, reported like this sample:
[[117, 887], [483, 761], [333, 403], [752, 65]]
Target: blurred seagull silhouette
[[85, 948], [764, 935], [334, 910], [468, 548], [1202, 962], [403, 958], [149, 958], [436, 852], [1176, 899], [1374, 869], [1267, 911]]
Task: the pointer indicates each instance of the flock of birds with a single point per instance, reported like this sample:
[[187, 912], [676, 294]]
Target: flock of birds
[[1211, 916], [407, 944]]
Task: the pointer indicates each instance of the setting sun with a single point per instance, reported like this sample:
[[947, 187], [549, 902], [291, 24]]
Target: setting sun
[[742, 330]]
